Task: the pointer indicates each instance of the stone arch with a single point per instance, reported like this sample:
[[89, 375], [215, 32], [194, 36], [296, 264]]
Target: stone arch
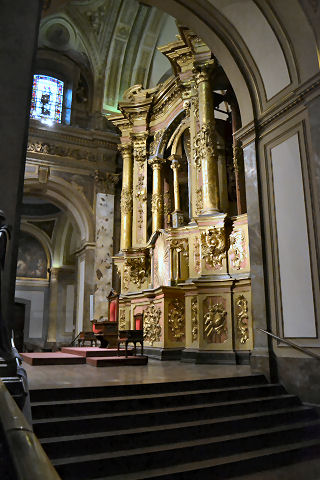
[[64, 195], [40, 236]]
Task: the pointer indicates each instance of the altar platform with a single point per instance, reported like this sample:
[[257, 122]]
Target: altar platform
[[94, 351], [94, 356]]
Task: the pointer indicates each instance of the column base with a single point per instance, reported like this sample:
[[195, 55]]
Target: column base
[[163, 353], [221, 357], [177, 219]]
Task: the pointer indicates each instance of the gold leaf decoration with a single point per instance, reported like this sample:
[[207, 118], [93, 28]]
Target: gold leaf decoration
[[151, 324]]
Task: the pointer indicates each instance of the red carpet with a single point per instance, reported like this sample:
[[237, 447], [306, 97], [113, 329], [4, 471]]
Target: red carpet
[[93, 351], [116, 361], [52, 358]]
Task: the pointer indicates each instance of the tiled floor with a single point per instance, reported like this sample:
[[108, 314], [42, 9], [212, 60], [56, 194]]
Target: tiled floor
[[60, 376]]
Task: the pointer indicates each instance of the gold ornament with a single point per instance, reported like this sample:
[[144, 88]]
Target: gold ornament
[[237, 250], [151, 324], [137, 269], [176, 320], [194, 319], [122, 320], [126, 200], [213, 246], [204, 144], [156, 203], [243, 318], [215, 321]]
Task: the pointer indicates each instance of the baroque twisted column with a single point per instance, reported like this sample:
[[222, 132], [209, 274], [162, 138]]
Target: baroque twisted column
[[157, 197], [126, 197], [206, 142]]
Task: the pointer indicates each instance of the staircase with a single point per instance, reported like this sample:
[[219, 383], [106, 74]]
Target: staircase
[[201, 429]]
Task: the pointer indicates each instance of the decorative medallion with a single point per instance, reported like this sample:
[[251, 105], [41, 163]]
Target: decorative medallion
[[194, 319], [126, 200], [215, 327], [151, 324], [176, 319], [243, 318], [213, 246], [237, 252]]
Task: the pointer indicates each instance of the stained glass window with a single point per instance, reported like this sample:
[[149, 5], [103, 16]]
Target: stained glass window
[[47, 97]]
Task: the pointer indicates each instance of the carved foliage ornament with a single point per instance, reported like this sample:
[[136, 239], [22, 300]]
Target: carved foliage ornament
[[57, 150], [151, 324], [237, 249], [194, 319], [155, 143], [140, 150], [126, 200], [205, 143], [122, 320], [215, 321], [176, 319], [213, 246], [243, 318], [141, 193], [138, 269]]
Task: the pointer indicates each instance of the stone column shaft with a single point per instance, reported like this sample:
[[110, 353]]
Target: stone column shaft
[[53, 306], [207, 144], [126, 198]]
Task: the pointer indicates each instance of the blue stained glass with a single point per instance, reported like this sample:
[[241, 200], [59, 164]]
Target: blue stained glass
[[47, 97]]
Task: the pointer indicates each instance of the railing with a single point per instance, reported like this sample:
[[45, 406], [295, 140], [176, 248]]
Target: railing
[[291, 344], [27, 455]]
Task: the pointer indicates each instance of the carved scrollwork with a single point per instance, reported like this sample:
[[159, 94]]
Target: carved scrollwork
[[125, 278], [213, 246], [140, 150], [151, 324], [215, 322], [204, 143], [126, 200], [194, 319], [176, 319], [237, 249], [243, 318], [167, 203], [138, 268]]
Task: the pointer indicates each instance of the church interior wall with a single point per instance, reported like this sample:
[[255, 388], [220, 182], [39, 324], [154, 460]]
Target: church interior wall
[[275, 111]]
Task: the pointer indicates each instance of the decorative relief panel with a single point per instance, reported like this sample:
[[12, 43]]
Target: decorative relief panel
[[138, 269], [176, 319], [151, 324], [242, 316], [122, 320], [213, 247], [194, 319], [156, 203], [237, 251], [215, 324]]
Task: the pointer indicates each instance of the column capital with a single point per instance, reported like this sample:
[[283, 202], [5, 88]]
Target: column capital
[[156, 162], [202, 71], [175, 161], [125, 148]]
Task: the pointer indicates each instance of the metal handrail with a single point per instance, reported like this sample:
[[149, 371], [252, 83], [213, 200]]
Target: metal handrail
[[27, 455], [291, 344]]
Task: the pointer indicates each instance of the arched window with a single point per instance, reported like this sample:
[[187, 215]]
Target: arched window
[[47, 99]]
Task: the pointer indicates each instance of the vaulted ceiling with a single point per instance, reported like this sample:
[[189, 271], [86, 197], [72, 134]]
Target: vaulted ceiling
[[116, 40]]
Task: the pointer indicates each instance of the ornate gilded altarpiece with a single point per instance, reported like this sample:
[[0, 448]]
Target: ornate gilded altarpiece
[[184, 259]]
